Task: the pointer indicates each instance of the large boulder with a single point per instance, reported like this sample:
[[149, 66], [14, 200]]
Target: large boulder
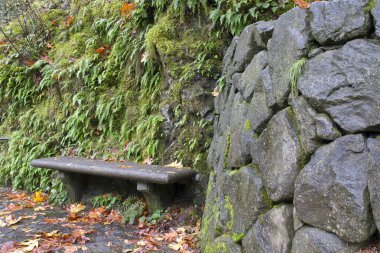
[[290, 42], [345, 83], [326, 130], [316, 240], [374, 177], [252, 40], [208, 231], [251, 80], [240, 137], [268, 87], [229, 55], [255, 86], [223, 244], [263, 32], [247, 198], [278, 154], [305, 116], [339, 21], [273, 233], [331, 191]]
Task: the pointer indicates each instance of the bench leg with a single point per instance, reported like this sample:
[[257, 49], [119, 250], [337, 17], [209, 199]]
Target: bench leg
[[157, 196], [74, 184]]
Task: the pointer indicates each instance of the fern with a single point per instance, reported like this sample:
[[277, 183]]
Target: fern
[[294, 73], [132, 208]]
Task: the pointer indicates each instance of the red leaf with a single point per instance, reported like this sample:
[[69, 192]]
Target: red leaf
[[127, 8], [302, 4]]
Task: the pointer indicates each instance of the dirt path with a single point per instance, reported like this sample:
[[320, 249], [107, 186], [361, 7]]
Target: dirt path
[[27, 226]]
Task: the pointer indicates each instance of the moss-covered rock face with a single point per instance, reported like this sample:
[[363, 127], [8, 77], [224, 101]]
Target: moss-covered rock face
[[104, 84], [223, 244], [282, 134]]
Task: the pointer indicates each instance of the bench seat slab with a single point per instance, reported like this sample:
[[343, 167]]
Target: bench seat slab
[[123, 170]]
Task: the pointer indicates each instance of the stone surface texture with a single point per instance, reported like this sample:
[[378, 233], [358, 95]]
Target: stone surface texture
[[339, 21], [272, 233], [345, 83], [277, 152], [334, 182], [316, 240], [376, 17], [298, 173]]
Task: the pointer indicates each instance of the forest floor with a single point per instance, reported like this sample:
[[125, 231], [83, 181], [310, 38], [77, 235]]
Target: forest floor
[[28, 223]]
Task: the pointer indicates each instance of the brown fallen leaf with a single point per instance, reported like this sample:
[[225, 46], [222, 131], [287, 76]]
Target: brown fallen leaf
[[10, 220], [8, 247], [29, 245]]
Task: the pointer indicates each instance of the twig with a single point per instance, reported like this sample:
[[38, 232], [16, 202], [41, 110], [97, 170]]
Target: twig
[[12, 44]]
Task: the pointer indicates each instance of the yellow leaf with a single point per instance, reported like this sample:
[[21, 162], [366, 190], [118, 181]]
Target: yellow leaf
[[175, 164], [76, 208], [39, 197]]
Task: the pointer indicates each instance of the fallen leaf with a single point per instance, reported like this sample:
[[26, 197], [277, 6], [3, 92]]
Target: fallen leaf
[[29, 245], [76, 208], [39, 197], [7, 247], [144, 57], [69, 21], [302, 4], [29, 62], [175, 164], [215, 93], [127, 8], [148, 161]]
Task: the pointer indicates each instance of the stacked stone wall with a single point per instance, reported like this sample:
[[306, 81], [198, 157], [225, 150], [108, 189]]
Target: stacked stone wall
[[296, 147]]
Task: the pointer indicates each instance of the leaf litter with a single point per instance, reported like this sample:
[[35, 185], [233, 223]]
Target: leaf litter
[[38, 227]]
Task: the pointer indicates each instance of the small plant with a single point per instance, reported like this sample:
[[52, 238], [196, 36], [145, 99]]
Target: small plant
[[109, 201], [294, 74], [152, 219], [235, 15], [130, 208]]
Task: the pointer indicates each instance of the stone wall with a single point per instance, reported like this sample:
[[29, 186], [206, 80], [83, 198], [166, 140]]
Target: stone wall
[[296, 148]]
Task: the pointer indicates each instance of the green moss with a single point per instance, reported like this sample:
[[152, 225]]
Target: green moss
[[370, 5], [230, 210], [237, 238], [294, 74], [75, 46], [303, 158], [267, 201], [216, 248], [232, 172], [228, 144], [161, 36], [247, 125]]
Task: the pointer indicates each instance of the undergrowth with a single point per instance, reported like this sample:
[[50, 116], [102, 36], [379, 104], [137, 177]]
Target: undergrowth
[[94, 83], [130, 208]]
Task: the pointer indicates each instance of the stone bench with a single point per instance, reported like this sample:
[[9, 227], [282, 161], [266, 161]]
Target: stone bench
[[157, 183]]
